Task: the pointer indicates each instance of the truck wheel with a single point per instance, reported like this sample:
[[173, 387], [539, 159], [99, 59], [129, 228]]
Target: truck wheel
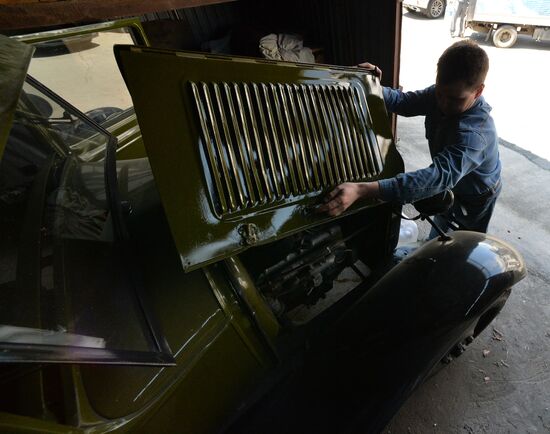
[[505, 36], [436, 8]]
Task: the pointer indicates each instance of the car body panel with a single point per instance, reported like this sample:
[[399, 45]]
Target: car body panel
[[203, 321], [220, 215], [459, 285], [52, 35], [393, 336], [13, 70], [206, 331]]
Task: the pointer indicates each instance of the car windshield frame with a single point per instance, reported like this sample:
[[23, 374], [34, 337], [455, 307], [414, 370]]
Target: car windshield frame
[[32, 345], [133, 28]]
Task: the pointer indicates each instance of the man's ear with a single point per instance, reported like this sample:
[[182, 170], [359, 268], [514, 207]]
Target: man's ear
[[479, 90]]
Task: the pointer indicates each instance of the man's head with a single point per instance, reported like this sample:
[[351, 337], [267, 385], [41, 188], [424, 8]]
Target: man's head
[[461, 72]]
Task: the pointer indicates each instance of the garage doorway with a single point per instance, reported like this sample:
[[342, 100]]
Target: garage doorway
[[517, 86]]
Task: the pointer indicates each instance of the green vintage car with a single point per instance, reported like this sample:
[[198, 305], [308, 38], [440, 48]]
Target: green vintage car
[[174, 276]]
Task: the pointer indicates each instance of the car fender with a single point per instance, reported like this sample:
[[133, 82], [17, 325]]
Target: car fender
[[393, 336]]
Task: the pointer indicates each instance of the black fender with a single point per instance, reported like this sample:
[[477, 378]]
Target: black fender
[[392, 337], [441, 288]]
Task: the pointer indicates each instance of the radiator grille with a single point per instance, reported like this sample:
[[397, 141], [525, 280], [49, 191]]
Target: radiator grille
[[267, 142]]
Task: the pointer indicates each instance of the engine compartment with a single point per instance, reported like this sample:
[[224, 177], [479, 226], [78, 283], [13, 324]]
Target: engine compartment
[[304, 274]]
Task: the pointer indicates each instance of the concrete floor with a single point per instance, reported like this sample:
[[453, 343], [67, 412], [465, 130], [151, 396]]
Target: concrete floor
[[507, 390]]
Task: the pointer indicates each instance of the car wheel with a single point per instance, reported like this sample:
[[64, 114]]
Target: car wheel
[[469, 337], [436, 8], [505, 36]]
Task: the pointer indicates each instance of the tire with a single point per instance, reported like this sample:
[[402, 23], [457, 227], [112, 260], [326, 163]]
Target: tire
[[436, 8], [481, 324], [505, 36]]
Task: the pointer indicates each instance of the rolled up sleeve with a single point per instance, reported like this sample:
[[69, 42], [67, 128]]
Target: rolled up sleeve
[[409, 103]]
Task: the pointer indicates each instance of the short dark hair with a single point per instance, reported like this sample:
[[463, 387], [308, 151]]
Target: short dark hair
[[463, 61]]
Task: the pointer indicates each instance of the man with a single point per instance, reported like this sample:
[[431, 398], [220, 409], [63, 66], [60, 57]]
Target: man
[[458, 20], [462, 139]]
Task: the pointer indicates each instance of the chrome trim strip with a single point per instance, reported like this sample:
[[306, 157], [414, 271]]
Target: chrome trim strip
[[351, 127], [247, 164], [275, 175], [208, 146], [250, 108], [219, 146], [321, 158], [229, 145], [287, 149]]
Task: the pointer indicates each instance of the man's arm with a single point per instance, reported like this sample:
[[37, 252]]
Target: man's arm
[[416, 103], [448, 168], [404, 104], [343, 196]]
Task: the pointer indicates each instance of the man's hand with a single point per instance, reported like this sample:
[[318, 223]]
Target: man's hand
[[343, 196], [375, 69]]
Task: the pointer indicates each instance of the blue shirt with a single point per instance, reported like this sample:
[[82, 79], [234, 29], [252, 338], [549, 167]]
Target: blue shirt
[[464, 149]]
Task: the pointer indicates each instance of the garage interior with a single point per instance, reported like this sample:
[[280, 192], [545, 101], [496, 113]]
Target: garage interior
[[460, 399]]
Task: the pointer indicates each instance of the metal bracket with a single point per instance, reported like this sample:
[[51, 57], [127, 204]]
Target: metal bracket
[[250, 234]]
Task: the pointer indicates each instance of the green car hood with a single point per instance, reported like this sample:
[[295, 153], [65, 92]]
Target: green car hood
[[242, 150], [14, 62]]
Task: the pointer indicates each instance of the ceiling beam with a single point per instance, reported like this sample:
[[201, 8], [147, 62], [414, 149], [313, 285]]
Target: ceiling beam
[[36, 14]]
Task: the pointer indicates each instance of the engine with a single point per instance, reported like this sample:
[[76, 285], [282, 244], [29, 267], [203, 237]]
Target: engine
[[311, 271]]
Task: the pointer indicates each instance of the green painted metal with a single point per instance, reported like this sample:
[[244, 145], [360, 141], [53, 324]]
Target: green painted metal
[[129, 140], [14, 62], [241, 323], [10, 423], [247, 289], [52, 35], [221, 356], [199, 315], [202, 324], [187, 133]]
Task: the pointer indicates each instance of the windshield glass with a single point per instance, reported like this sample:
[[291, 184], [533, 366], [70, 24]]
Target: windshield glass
[[67, 289], [68, 133], [83, 71]]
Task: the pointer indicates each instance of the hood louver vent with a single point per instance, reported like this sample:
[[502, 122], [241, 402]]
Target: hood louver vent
[[243, 149], [266, 142]]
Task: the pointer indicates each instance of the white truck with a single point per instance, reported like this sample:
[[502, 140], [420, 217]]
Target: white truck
[[504, 20]]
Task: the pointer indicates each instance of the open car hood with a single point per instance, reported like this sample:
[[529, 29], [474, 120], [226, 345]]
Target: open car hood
[[243, 149], [14, 62]]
